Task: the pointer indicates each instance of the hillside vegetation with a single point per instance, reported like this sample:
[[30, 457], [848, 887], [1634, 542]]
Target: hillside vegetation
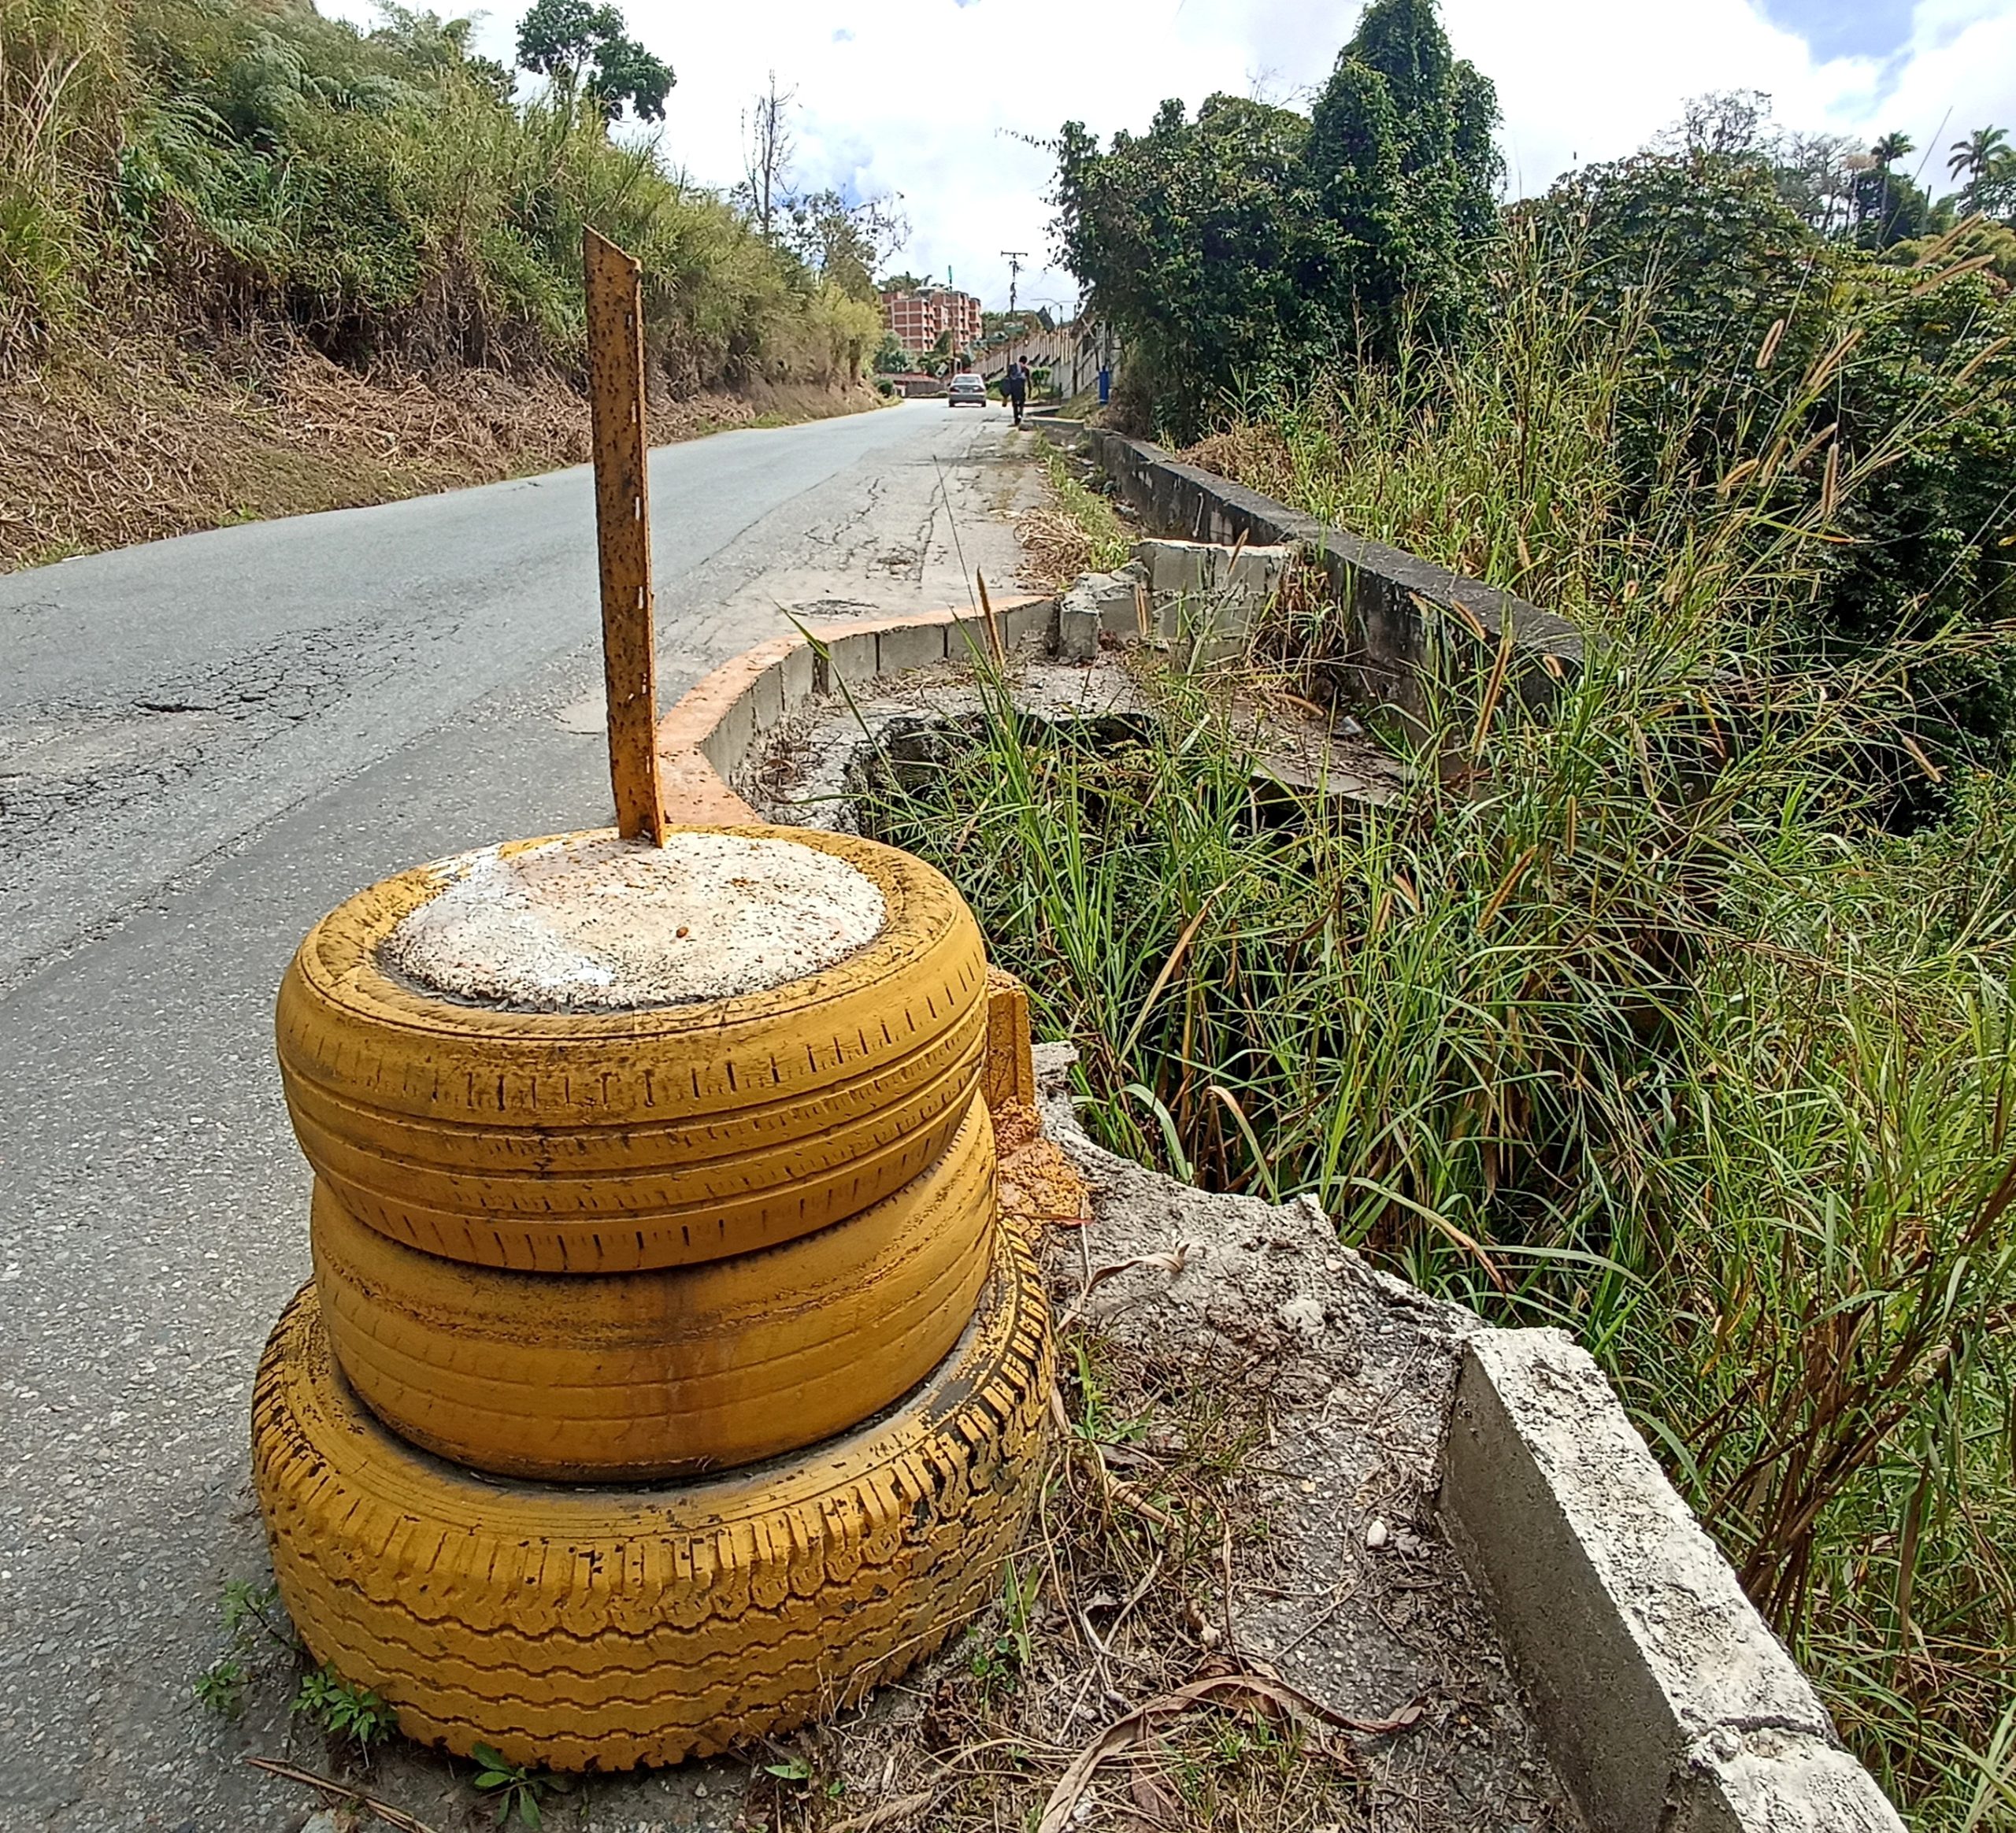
[[216, 216]]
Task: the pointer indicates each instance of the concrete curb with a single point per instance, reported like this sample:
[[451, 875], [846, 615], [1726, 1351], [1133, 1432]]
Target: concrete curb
[[1667, 1703], [703, 740], [1404, 610]]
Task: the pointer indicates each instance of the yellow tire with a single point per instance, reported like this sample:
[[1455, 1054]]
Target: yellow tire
[[628, 1377], [605, 1142], [602, 1629]]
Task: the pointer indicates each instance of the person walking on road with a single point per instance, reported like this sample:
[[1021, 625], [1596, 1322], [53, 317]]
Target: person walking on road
[[1015, 385]]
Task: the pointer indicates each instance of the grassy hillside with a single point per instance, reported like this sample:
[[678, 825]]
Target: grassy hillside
[[302, 264]]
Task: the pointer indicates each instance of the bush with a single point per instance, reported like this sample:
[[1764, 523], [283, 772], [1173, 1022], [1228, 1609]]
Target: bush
[[1234, 252], [236, 165]]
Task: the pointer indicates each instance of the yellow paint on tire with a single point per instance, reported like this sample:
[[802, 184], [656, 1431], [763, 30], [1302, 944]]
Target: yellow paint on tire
[[601, 1143], [585, 1628], [628, 1377]]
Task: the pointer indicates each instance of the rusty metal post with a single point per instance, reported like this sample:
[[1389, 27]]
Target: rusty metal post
[[623, 532]]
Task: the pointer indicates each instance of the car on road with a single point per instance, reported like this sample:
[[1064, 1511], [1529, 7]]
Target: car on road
[[967, 390]]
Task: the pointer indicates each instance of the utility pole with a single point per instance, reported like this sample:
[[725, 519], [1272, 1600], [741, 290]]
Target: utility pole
[[1013, 257]]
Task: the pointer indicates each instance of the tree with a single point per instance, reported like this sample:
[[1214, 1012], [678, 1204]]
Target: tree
[[767, 148], [1816, 174], [1737, 297], [1977, 155], [585, 52], [845, 243], [1889, 208], [1242, 248], [1890, 148], [1726, 124]]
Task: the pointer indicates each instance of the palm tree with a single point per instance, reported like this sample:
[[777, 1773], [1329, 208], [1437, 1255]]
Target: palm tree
[[1891, 148], [1977, 153]]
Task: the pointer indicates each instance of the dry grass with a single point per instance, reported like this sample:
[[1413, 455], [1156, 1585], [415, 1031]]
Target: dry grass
[[146, 438], [1073, 531], [1118, 1601]]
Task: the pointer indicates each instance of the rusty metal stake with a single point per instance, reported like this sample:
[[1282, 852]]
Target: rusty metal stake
[[623, 532]]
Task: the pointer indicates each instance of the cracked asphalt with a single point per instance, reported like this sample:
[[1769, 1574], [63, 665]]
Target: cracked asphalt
[[204, 743]]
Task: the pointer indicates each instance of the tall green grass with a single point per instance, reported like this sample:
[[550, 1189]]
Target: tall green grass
[[226, 163], [1630, 1016]]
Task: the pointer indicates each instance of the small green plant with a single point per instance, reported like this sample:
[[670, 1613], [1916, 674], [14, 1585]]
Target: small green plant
[[795, 1767], [253, 1622], [333, 1706], [514, 1787], [1012, 1652], [220, 1688]]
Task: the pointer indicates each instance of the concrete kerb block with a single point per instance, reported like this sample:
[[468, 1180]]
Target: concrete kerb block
[[1651, 1675], [914, 645], [766, 697], [1178, 569], [1766, 1781], [799, 674], [966, 639], [727, 743], [851, 657], [1032, 620], [1098, 602], [704, 739]]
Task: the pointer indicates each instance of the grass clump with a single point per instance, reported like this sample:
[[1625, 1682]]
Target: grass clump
[[1074, 531], [224, 166], [1633, 1015]]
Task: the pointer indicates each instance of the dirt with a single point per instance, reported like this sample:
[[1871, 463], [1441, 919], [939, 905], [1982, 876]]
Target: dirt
[[141, 437], [1236, 1593]]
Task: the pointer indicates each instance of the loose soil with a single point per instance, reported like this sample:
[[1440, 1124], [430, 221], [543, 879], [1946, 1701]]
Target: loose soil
[[142, 437]]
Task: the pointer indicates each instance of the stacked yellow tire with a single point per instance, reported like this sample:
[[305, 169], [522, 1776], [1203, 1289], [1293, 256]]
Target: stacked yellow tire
[[664, 1380]]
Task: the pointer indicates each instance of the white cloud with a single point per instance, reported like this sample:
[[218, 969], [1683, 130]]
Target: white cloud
[[938, 98]]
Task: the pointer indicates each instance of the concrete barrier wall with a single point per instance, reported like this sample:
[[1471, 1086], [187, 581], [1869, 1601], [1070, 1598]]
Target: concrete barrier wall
[[1405, 612]]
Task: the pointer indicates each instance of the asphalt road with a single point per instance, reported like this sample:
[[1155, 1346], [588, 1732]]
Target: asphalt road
[[204, 744]]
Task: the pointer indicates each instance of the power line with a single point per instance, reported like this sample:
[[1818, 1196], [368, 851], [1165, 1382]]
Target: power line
[[1013, 257]]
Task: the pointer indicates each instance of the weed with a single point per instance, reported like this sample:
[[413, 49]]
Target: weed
[[254, 1625], [1630, 1017], [1076, 530], [514, 1788], [348, 1713]]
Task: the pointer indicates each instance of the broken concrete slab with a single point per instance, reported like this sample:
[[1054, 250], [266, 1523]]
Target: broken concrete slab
[[1077, 631], [1099, 602], [1195, 568]]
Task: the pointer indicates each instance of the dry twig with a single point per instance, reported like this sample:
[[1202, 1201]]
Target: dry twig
[[397, 1818]]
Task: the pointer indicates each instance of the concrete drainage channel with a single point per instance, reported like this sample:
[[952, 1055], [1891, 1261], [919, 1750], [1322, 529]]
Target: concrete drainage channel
[[1661, 1701]]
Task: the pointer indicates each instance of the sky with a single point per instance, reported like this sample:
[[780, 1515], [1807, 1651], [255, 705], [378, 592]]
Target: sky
[[941, 100]]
